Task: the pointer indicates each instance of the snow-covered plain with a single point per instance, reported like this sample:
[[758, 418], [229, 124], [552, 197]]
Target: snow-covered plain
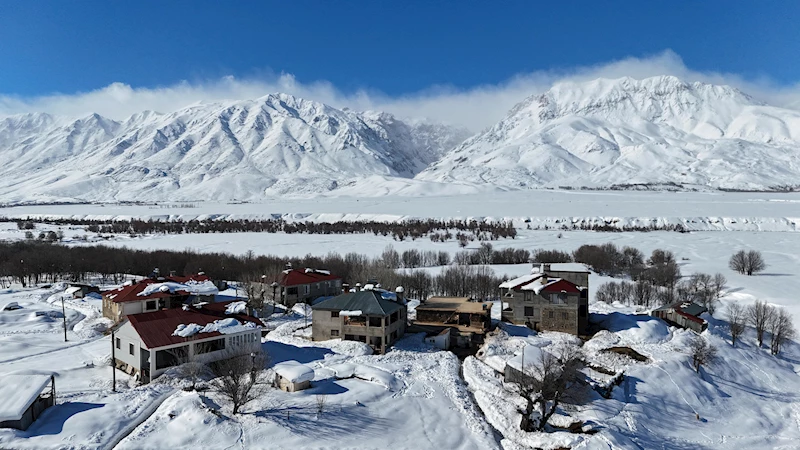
[[414, 397]]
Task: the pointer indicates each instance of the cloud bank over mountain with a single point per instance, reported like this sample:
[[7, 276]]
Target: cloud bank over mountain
[[476, 108]]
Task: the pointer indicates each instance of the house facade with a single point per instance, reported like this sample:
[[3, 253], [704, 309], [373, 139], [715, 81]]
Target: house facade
[[467, 320], [148, 344], [372, 316], [303, 286], [548, 301], [154, 294]]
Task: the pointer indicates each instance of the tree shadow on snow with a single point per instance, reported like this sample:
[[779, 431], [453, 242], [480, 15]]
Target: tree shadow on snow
[[331, 424], [774, 275], [52, 420]]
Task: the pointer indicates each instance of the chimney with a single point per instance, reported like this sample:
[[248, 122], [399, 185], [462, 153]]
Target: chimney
[[545, 267], [400, 294], [288, 265], [172, 273], [345, 288], [156, 273], [358, 287]]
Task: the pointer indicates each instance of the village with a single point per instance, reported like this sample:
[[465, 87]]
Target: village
[[534, 355]]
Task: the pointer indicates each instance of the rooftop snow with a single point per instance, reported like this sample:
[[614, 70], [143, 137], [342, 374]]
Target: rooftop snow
[[294, 371], [18, 392], [519, 280], [223, 326]]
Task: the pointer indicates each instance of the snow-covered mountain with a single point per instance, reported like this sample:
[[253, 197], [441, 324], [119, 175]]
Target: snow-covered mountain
[[600, 134], [278, 144], [625, 131]]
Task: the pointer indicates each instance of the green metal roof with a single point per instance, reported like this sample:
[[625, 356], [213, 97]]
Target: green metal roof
[[370, 303]]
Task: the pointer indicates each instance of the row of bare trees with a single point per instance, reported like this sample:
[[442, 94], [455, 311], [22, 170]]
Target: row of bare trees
[[764, 318], [401, 230]]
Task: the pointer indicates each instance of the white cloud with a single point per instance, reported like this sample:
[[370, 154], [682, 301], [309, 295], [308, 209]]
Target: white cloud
[[475, 108]]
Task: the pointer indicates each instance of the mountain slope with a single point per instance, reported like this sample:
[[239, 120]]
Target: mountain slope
[[625, 131], [276, 144]]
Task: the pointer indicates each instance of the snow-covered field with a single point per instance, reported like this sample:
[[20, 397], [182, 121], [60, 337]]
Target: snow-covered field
[[416, 397]]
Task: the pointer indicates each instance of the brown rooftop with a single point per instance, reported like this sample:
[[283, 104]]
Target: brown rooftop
[[456, 304]]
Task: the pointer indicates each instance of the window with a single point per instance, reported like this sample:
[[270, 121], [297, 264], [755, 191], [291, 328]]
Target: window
[[291, 291], [334, 333], [150, 305], [306, 289], [210, 346], [529, 310], [551, 315], [334, 314], [119, 345], [130, 348], [375, 321]]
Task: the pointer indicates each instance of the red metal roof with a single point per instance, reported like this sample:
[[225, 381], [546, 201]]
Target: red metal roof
[[131, 292], [562, 285], [156, 328], [295, 277]]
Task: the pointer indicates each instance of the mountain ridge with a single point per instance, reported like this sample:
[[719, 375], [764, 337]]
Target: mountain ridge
[[606, 133]]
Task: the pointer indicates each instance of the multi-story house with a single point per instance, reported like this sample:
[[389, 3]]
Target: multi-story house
[[303, 286], [548, 300], [372, 316]]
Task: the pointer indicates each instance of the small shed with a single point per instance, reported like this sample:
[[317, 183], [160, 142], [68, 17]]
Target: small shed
[[683, 314], [24, 398], [291, 376]]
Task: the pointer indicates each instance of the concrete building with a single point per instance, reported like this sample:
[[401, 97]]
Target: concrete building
[[24, 398], [372, 316], [153, 294], [148, 344], [291, 376], [683, 314], [467, 321], [303, 286], [546, 302]]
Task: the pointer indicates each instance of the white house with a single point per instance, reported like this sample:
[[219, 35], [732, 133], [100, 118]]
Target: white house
[[148, 344]]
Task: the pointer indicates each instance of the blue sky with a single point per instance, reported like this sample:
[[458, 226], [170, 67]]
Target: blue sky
[[393, 49]]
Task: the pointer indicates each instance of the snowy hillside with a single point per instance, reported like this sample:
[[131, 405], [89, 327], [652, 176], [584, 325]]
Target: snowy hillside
[[239, 150], [612, 132]]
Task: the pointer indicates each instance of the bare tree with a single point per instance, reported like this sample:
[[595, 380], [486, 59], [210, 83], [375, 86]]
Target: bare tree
[[241, 378], [702, 353], [718, 285], [781, 329], [759, 315], [737, 321], [747, 263], [547, 382], [755, 262], [193, 366], [738, 262], [321, 400]]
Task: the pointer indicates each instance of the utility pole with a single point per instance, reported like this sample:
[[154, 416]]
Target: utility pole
[[113, 363], [64, 315]]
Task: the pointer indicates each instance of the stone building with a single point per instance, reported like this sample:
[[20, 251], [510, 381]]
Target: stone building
[[372, 316], [305, 285], [548, 300]]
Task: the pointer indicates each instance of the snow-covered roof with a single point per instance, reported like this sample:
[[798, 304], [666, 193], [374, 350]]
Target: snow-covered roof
[[294, 371], [18, 392], [236, 308], [72, 290], [223, 326], [530, 355], [357, 312], [191, 286], [537, 287], [519, 280]]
